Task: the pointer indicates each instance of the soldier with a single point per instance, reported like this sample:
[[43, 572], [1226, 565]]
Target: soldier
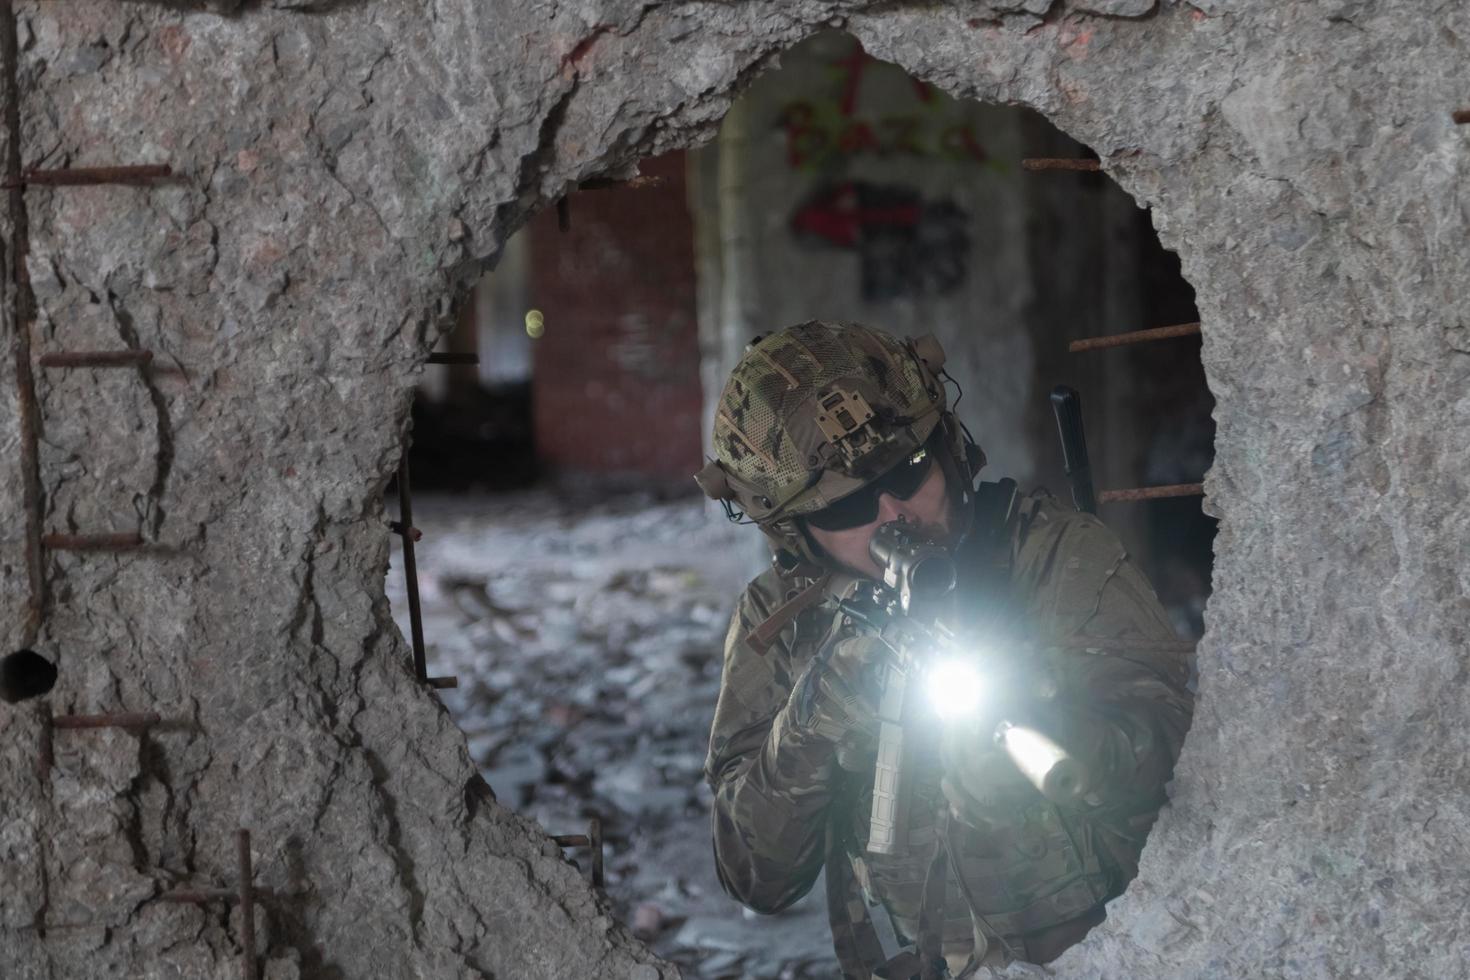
[[824, 432]]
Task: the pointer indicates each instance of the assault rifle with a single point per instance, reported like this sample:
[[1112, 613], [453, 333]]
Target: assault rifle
[[932, 673]]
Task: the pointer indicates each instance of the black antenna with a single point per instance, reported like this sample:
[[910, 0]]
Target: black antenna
[[1067, 405]]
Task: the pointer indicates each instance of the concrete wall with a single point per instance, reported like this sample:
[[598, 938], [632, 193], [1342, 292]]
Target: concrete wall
[[348, 165]]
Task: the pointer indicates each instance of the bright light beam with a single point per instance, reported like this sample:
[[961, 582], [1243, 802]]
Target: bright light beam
[[1055, 774], [954, 688]]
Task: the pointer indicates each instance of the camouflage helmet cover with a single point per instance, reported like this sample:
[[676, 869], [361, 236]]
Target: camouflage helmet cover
[[818, 410]]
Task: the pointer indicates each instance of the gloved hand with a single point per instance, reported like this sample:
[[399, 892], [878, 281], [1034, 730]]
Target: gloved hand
[[836, 698]]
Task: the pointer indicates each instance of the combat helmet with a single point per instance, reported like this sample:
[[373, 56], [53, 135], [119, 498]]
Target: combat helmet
[[815, 412]]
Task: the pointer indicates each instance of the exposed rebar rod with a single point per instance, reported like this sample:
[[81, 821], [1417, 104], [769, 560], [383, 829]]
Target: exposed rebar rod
[[1035, 164], [92, 542], [592, 840], [397, 528], [46, 751], [96, 358], [1136, 337], [411, 571], [248, 966], [92, 176], [132, 720], [449, 357], [28, 408], [1461, 116], [1151, 493], [594, 834]]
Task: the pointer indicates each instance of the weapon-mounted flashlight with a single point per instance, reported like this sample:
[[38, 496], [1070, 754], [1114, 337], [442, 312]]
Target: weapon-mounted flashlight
[[955, 688]]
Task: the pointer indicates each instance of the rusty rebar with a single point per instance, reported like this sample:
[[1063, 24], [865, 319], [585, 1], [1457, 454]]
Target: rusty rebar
[[592, 840], [397, 528], [642, 182], [1136, 337], [28, 412], [1036, 164], [564, 215], [46, 751], [96, 358], [198, 896], [92, 176], [1151, 493], [443, 683], [594, 833], [248, 966], [1461, 116], [92, 542], [411, 571], [447, 357], [132, 720]]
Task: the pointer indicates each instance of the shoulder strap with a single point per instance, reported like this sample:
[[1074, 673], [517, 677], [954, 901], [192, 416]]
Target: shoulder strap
[[761, 638], [931, 915], [859, 951]]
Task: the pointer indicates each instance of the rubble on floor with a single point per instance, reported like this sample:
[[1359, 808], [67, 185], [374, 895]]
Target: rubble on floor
[[587, 640]]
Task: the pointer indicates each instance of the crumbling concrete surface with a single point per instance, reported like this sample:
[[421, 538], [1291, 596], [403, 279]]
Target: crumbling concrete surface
[[344, 168]]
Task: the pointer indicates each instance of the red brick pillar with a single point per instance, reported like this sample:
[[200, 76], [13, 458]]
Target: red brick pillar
[[615, 378]]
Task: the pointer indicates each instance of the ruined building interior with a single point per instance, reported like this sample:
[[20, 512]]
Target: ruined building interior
[[366, 620]]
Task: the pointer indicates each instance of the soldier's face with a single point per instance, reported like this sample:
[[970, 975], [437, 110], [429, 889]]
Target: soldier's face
[[928, 508]]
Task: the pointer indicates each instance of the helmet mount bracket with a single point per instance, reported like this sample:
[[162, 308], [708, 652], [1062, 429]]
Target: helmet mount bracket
[[846, 419]]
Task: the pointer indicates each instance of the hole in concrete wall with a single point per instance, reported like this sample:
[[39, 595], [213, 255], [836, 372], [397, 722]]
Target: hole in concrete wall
[[25, 674], [571, 578]]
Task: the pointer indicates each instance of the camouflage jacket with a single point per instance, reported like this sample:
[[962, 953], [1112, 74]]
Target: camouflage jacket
[[783, 808]]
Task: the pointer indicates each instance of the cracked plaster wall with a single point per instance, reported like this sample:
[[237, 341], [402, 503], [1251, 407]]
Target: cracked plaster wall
[[348, 166]]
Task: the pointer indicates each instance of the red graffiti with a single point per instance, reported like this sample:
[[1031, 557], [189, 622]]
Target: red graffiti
[[805, 140], [960, 141], [905, 134], [906, 246], [817, 132], [858, 138], [810, 139], [838, 217]]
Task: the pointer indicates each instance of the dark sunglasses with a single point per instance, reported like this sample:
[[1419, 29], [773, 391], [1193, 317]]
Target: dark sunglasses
[[861, 506]]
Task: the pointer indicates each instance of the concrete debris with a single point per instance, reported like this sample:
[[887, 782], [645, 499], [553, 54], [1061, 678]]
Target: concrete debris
[[587, 640]]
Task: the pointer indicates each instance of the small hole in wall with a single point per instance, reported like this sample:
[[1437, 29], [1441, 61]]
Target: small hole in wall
[[25, 674]]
